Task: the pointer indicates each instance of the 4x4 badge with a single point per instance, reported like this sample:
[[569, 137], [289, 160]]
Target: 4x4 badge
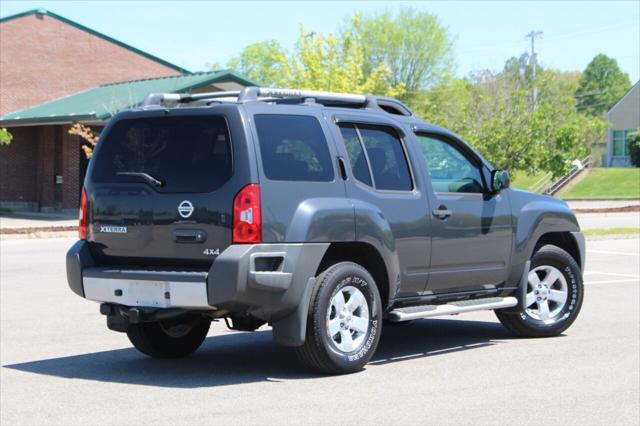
[[185, 209]]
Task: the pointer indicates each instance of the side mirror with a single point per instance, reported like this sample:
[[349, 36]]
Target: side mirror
[[500, 180]]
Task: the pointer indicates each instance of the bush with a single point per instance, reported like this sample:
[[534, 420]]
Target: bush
[[633, 141]]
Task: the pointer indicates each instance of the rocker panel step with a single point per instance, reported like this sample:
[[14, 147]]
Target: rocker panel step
[[427, 311]]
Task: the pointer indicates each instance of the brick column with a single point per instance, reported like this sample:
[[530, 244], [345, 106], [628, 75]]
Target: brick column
[[70, 169], [45, 173]]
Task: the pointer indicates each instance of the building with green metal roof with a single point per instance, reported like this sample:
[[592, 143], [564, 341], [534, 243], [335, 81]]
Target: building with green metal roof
[[56, 72]]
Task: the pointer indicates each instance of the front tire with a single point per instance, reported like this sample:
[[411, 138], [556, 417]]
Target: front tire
[[345, 320], [173, 338], [554, 295]]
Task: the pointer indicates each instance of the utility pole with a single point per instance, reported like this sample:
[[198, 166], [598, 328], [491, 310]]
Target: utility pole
[[533, 61]]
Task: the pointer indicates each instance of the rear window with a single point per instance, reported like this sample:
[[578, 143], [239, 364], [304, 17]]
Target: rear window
[[186, 154], [293, 147]]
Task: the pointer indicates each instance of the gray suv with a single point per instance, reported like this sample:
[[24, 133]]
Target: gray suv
[[327, 216]]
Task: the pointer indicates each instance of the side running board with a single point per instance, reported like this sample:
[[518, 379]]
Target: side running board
[[451, 308]]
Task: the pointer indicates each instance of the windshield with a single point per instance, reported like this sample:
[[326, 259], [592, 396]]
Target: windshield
[[184, 154]]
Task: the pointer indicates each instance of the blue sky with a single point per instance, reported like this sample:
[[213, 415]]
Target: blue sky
[[194, 34]]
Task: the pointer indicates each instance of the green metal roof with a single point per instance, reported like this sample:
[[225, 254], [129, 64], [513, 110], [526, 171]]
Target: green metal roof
[[95, 33], [100, 103]]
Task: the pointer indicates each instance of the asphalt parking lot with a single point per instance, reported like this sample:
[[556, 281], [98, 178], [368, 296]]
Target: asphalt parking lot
[[60, 364]]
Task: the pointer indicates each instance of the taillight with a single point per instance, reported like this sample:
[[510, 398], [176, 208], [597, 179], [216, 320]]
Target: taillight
[[247, 215], [83, 216]]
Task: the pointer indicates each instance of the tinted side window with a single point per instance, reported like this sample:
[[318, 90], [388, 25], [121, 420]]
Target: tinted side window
[[386, 156], [293, 147], [356, 154], [187, 154], [450, 169]]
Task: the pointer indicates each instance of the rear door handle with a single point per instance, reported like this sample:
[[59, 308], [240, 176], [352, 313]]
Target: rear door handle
[[189, 236], [442, 212]]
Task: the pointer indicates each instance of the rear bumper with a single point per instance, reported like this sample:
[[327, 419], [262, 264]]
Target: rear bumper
[[267, 280]]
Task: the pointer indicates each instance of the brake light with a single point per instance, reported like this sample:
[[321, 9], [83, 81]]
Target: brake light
[[247, 215], [83, 216]]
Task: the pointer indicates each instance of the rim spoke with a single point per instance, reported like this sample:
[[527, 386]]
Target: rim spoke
[[355, 301], [531, 299], [334, 326], [533, 278], [338, 301], [347, 340], [551, 277], [558, 296], [543, 310], [359, 324]]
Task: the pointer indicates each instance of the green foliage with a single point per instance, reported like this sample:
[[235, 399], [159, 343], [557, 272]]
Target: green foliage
[[415, 46], [264, 62], [633, 141], [495, 113], [317, 62], [601, 86], [5, 137]]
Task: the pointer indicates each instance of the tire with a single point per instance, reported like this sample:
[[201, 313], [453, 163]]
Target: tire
[[174, 338], [536, 321], [338, 344]]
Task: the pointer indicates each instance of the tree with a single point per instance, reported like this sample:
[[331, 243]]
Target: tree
[[633, 140], [264, 62], [601, 86], [415, 46], [495, 114], [89, 136], [318, 62], [5, 137]]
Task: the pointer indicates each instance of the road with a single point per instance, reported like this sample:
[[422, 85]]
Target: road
[[60, 364]]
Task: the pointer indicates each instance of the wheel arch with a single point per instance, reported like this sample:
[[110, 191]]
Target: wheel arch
[[367, 256], [564, 240]]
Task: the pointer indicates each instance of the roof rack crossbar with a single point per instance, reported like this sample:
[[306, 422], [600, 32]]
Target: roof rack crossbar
[[253, 93]]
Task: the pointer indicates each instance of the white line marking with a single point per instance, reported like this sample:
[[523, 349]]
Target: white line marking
[[611, 273], [615, 253], [612, 281]]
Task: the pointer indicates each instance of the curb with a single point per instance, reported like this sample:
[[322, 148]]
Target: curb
[[39, 235]]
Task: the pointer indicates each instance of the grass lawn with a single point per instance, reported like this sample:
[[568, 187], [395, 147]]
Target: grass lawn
[[611, 231], [521, 180], [607, 183]]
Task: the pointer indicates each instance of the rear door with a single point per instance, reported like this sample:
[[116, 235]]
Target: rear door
[[161, 187], [381, 175]]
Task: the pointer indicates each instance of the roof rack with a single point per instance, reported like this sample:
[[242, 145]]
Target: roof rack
[[252, 94]]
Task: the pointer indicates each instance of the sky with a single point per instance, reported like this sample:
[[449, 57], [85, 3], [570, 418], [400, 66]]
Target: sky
[[196, 34]]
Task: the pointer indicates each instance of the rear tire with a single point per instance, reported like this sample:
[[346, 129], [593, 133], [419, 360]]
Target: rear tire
[[345, 320], [554, 296], [174, 338]]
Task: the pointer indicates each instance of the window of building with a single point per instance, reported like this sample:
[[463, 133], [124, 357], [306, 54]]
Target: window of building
[[620, 147]]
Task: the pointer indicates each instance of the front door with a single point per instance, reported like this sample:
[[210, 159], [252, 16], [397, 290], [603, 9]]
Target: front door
[[471, 230]]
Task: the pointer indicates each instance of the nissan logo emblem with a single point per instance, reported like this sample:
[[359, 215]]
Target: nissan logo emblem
[[185, 209]]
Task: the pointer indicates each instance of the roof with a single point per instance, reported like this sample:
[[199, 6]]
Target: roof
[[624, 96], [102, 102], [95, 33]]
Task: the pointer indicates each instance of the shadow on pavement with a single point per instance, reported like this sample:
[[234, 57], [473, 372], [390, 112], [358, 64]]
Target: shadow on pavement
[[237, 358]]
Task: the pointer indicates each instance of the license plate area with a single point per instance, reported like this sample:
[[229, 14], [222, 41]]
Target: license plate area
[[152, 294]]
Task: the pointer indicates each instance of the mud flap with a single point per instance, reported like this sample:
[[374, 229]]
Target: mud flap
[[292, 329]]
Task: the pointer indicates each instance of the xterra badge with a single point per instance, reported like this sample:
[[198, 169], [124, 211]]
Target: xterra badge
[[113, 229], [185, 209]]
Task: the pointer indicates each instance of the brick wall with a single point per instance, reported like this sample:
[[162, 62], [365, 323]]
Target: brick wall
[[42, 58], [18, 163]]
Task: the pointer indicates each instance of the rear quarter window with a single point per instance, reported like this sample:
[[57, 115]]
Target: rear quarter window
[[293, 147], [187, 154]]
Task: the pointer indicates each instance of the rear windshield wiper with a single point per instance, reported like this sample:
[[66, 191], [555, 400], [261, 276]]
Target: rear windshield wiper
[[146, 176]]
